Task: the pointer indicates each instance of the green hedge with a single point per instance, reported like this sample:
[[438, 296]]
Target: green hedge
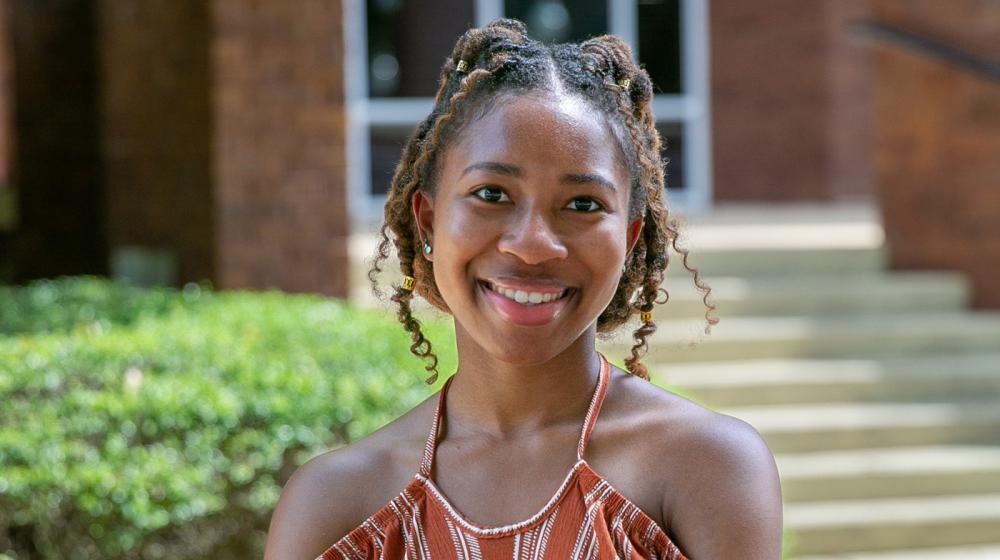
[[62, 305], [161, 424]]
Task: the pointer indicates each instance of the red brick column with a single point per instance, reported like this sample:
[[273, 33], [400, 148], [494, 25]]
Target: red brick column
[[157, 130], [278, 150], [790, 101], [223, 140], [937, 144]]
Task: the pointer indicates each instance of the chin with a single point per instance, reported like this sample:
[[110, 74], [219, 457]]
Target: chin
[[525, 349]]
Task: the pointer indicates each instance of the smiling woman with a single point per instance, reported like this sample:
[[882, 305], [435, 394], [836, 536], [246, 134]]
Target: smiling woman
[[530, 206], [526, 204]]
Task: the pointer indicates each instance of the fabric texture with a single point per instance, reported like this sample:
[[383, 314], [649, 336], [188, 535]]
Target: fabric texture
[[585, 519]]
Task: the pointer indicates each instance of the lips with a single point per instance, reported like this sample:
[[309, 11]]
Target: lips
[[526, 304]]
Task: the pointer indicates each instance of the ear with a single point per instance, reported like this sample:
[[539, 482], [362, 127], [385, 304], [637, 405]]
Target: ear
[[423, 216], [634, 228]]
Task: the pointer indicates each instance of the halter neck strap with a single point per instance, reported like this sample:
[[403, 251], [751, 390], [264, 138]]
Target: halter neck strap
[[595, 407], [588, 422]]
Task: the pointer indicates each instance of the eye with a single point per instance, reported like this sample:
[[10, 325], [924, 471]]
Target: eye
[[584, 204], [491, 194]]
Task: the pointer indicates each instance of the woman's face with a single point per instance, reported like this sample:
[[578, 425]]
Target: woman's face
[[529, 225]]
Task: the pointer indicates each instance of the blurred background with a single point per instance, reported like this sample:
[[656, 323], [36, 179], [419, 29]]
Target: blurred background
[[189, 191]]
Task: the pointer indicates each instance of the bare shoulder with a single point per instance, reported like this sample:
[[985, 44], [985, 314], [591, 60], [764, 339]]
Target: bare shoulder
[[724, 500], [320, 503], [335, 492], [721, 495], [729, 501]]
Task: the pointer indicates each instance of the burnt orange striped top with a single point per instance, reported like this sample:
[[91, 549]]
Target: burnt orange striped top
[[585, 519]]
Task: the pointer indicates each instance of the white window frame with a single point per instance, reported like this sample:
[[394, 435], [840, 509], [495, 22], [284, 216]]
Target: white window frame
[[691, 108]]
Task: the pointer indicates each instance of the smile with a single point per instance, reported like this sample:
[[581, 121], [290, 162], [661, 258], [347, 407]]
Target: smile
[[524, 297], [526, 307]]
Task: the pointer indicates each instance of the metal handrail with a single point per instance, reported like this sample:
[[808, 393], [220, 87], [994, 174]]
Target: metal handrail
[[928, 47]]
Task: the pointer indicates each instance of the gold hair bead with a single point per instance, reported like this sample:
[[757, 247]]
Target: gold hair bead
[[647, 317], [625, 82], [462, 66], [408, 282]]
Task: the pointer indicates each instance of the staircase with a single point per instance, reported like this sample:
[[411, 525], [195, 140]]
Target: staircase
[[879, 393]]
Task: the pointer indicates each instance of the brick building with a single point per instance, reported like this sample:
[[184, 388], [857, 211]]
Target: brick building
[[176, 140], [171, 141]]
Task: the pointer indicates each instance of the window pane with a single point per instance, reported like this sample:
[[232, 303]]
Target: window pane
[[672, 138], [560, 21], [386, 149], [408, 41], [660, 43]]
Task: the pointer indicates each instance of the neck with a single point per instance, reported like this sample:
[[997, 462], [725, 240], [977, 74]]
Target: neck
[[501, 399]]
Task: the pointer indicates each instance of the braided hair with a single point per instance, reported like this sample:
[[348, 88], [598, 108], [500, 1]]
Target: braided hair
[[500, 59]]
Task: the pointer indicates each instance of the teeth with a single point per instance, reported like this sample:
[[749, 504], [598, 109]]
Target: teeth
[[523, 297]]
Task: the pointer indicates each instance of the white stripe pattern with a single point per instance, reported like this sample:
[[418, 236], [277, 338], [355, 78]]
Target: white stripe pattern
[[418, 526], [546, 530], [408, 540], [586, 537], [528, 545], [375, 535], [466, 546]]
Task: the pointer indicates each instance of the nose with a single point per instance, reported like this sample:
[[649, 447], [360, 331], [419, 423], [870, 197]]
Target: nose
[[531, 238]]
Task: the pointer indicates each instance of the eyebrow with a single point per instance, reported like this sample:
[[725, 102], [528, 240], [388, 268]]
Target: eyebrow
[[515, 171]]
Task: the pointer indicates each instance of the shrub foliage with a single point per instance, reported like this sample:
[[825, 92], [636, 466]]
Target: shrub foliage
[[162, 424]]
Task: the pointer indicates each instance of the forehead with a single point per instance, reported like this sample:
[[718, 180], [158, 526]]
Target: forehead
[[552, 130]]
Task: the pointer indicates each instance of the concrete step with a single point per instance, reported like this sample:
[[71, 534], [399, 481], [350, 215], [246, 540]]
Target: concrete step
[[972, 552], [887, 473], [784, 241], [783, 261], [849, 425], [761, 382], [830, 294], [882, 524], [759, 338]]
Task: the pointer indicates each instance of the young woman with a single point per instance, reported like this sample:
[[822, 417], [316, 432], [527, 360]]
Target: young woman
[[530, 206]]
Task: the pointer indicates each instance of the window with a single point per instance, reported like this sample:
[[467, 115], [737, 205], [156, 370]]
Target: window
[[408, 40], [386, 146], [659, 43], [560, 21], [405, 42]]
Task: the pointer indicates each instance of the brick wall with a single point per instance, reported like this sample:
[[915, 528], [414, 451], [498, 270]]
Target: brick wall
[[222, 139], [790, 100], [157, 128], [278, 152], [937, 140], [225, 139], [848, 123], [208, 132]]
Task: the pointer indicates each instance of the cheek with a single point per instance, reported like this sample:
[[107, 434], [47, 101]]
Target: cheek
[[609, 240], [604, 252], [466, 231], [461, 236]]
